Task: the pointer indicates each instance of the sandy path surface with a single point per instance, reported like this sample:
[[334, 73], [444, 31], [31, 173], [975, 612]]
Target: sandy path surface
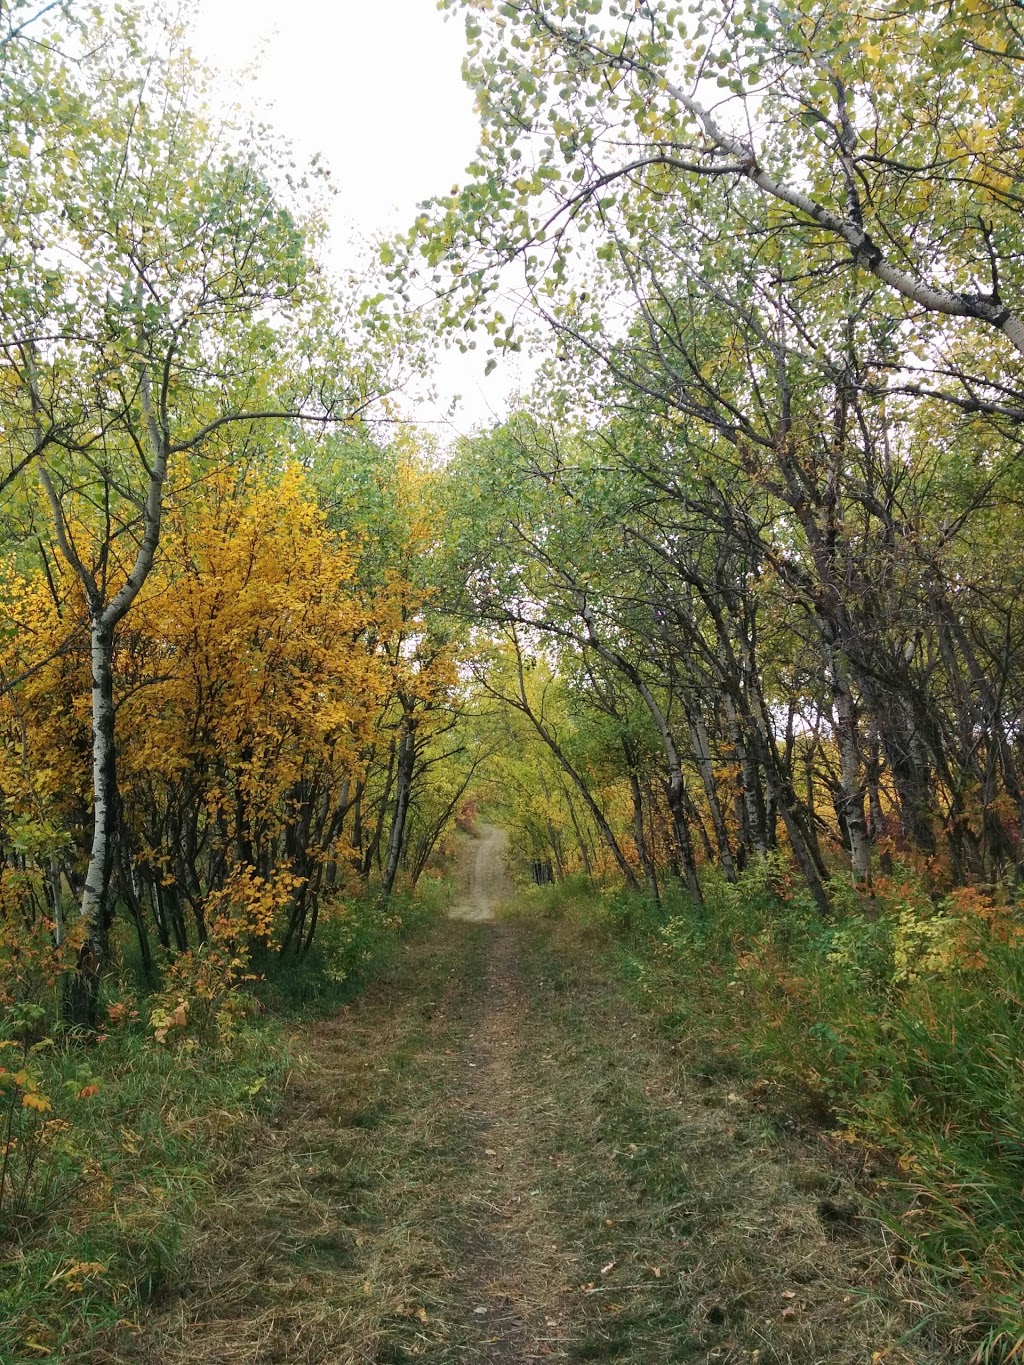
[[484, 882]]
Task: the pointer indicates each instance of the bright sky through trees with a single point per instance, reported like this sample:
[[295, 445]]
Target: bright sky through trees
[[377, 91]]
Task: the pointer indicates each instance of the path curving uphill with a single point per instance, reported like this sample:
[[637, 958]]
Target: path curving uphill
[[484, 883]]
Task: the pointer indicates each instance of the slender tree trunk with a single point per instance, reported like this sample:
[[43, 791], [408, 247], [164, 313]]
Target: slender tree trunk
[[675, 793], [82, 995], [754, 817], [133, 895], [57, 900], [909, 775], [432, 835], [604, 828], [373, 848], [852, 787], [83, 987], [783, 798], [314, 917], [644, 852], [702, 753], [403, 791], [580, 837]]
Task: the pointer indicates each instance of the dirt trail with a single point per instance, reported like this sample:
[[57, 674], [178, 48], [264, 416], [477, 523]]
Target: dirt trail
[[483, 880], [491, 1158]]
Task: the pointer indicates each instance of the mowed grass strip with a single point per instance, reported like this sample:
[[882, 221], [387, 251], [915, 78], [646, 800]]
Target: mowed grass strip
[[329, 1244]]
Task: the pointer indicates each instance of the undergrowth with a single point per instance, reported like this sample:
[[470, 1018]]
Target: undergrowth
[[896, 1023], [350, 947]]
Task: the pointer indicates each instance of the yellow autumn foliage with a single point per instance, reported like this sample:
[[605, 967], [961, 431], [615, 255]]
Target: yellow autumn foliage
[[259, 682]]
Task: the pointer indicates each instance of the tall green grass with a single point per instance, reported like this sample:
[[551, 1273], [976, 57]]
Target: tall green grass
[[899, 1023], [94, 1225]]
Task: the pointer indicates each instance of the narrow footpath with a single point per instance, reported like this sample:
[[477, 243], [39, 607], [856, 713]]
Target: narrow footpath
[[491, 1159]]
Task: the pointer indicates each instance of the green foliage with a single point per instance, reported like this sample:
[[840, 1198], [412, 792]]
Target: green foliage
[[557, 900], [353, 942]]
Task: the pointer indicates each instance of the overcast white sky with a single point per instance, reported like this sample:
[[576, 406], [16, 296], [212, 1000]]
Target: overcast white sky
[[375, 86]]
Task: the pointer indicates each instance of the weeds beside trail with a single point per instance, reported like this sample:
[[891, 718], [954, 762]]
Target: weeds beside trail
[[489, 1158]]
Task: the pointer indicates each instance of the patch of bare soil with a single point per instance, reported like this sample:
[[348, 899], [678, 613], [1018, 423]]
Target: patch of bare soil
[[518, 1271], [490, 1159], [482, 877]]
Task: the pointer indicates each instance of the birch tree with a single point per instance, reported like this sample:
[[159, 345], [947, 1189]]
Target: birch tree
[[153, 330]]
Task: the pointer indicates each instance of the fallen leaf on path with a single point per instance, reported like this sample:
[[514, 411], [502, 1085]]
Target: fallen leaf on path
[[422, 1314]]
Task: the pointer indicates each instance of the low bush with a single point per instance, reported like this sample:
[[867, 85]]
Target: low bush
[[354, 939]]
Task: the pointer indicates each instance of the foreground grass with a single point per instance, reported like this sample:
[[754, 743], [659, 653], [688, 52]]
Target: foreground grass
[[104, 1179], [893, 1032], [330, 1242], [115, 1179], [706, 1232], [491, 1156]]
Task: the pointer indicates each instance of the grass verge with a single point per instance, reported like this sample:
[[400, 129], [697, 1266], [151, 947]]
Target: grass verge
[[115, 1175], [110, 1152], [704, 1231], [333, 1241], [893, 1031]]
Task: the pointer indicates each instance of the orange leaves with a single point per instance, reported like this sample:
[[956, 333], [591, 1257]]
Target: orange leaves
[[121, 1012], [262, 672], [247, 905], [75, 1275], [163, 1020], [30, 962], [199, 1000]]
